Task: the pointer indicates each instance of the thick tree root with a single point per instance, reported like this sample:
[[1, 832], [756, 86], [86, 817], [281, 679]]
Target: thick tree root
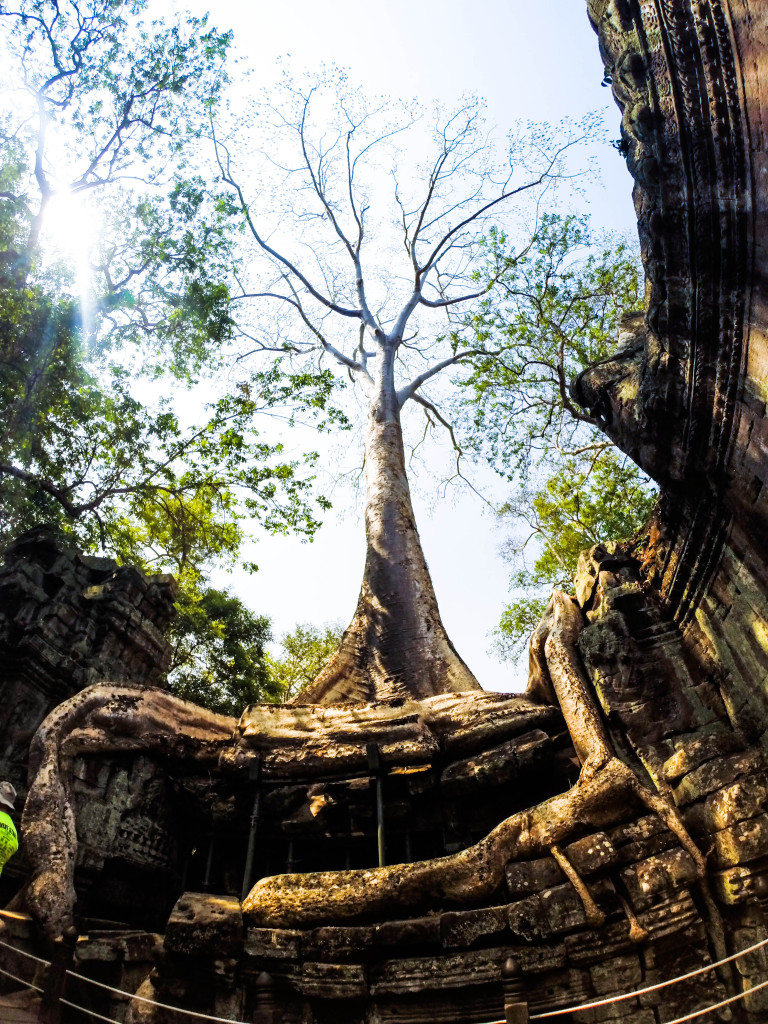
[[582, 717], [595, 916], [112, 719], [464, 879], [100, 719]]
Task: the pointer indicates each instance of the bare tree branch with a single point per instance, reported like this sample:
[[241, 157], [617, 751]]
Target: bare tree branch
[[410, 390]]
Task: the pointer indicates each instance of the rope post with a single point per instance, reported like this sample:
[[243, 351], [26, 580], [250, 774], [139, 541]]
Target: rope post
[[264, 997], [55, 983], [515, 1002]]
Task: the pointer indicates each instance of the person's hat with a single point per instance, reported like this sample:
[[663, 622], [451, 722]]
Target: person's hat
[[7, 795]]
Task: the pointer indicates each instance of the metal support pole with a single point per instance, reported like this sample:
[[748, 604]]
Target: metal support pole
[[374, 766], [254, 775], [515, 1002], [209, 862]]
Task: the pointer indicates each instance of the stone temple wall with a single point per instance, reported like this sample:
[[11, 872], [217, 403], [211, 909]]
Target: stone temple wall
[[66, 621], [685, 396]]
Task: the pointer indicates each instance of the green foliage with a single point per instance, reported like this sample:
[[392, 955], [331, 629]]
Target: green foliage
[[305, 651], [107, 433], [558, 308], [146, 471], [80, 452], [219, 658], [571, 511]]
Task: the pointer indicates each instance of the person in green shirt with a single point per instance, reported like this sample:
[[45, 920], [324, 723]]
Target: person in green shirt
[[9, 840]]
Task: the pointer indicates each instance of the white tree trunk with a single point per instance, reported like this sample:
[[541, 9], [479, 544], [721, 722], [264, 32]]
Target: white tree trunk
[[396, 644]]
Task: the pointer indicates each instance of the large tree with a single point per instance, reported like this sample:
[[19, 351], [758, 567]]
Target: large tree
[[103, 115], [321, 256]]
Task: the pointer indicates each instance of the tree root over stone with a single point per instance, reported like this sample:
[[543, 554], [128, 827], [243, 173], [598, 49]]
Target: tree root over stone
[[100, 719], [476, 874], [465, 879], [110, 719]]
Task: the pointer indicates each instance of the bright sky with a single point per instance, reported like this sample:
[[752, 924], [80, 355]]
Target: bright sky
[[532, 61]]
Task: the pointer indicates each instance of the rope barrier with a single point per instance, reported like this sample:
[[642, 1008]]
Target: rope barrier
[[23, 952], [651, 988], [21, 981], [91, 1013], [717, 1006], [536, 1016], [152, 1002], [677, 1020]]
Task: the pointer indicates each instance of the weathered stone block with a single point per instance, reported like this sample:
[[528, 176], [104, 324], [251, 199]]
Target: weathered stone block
[[649, 877], [420, 974], [753, 964], [130, 947], [755, 1002], [618, 974], [336, 942], [695, 751], [274, 943], [540, 959], [742, 883], [590, 946], [530, 876], [628, 1012], [633, 832], [419, 931], [592, 854], [333, 981], [462, 928], [644, 848], [745, 798], [528, 919], [743, 842], [560, 989], [205, 925], [715, 774], [563, 908], [675, 919], [698, 993]]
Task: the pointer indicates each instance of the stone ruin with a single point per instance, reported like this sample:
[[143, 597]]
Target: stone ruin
[[449, 858], [68, 621]]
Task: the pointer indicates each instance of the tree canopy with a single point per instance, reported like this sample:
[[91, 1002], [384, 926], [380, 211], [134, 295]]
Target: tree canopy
[[219, 653], [108, 110], [304, 651], [366, 234], [558, 306]]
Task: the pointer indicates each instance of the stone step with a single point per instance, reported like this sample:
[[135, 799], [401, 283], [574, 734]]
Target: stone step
[[19, 1008]]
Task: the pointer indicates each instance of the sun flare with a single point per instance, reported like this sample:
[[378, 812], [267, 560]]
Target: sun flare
[[70, 227], [70, 232]]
